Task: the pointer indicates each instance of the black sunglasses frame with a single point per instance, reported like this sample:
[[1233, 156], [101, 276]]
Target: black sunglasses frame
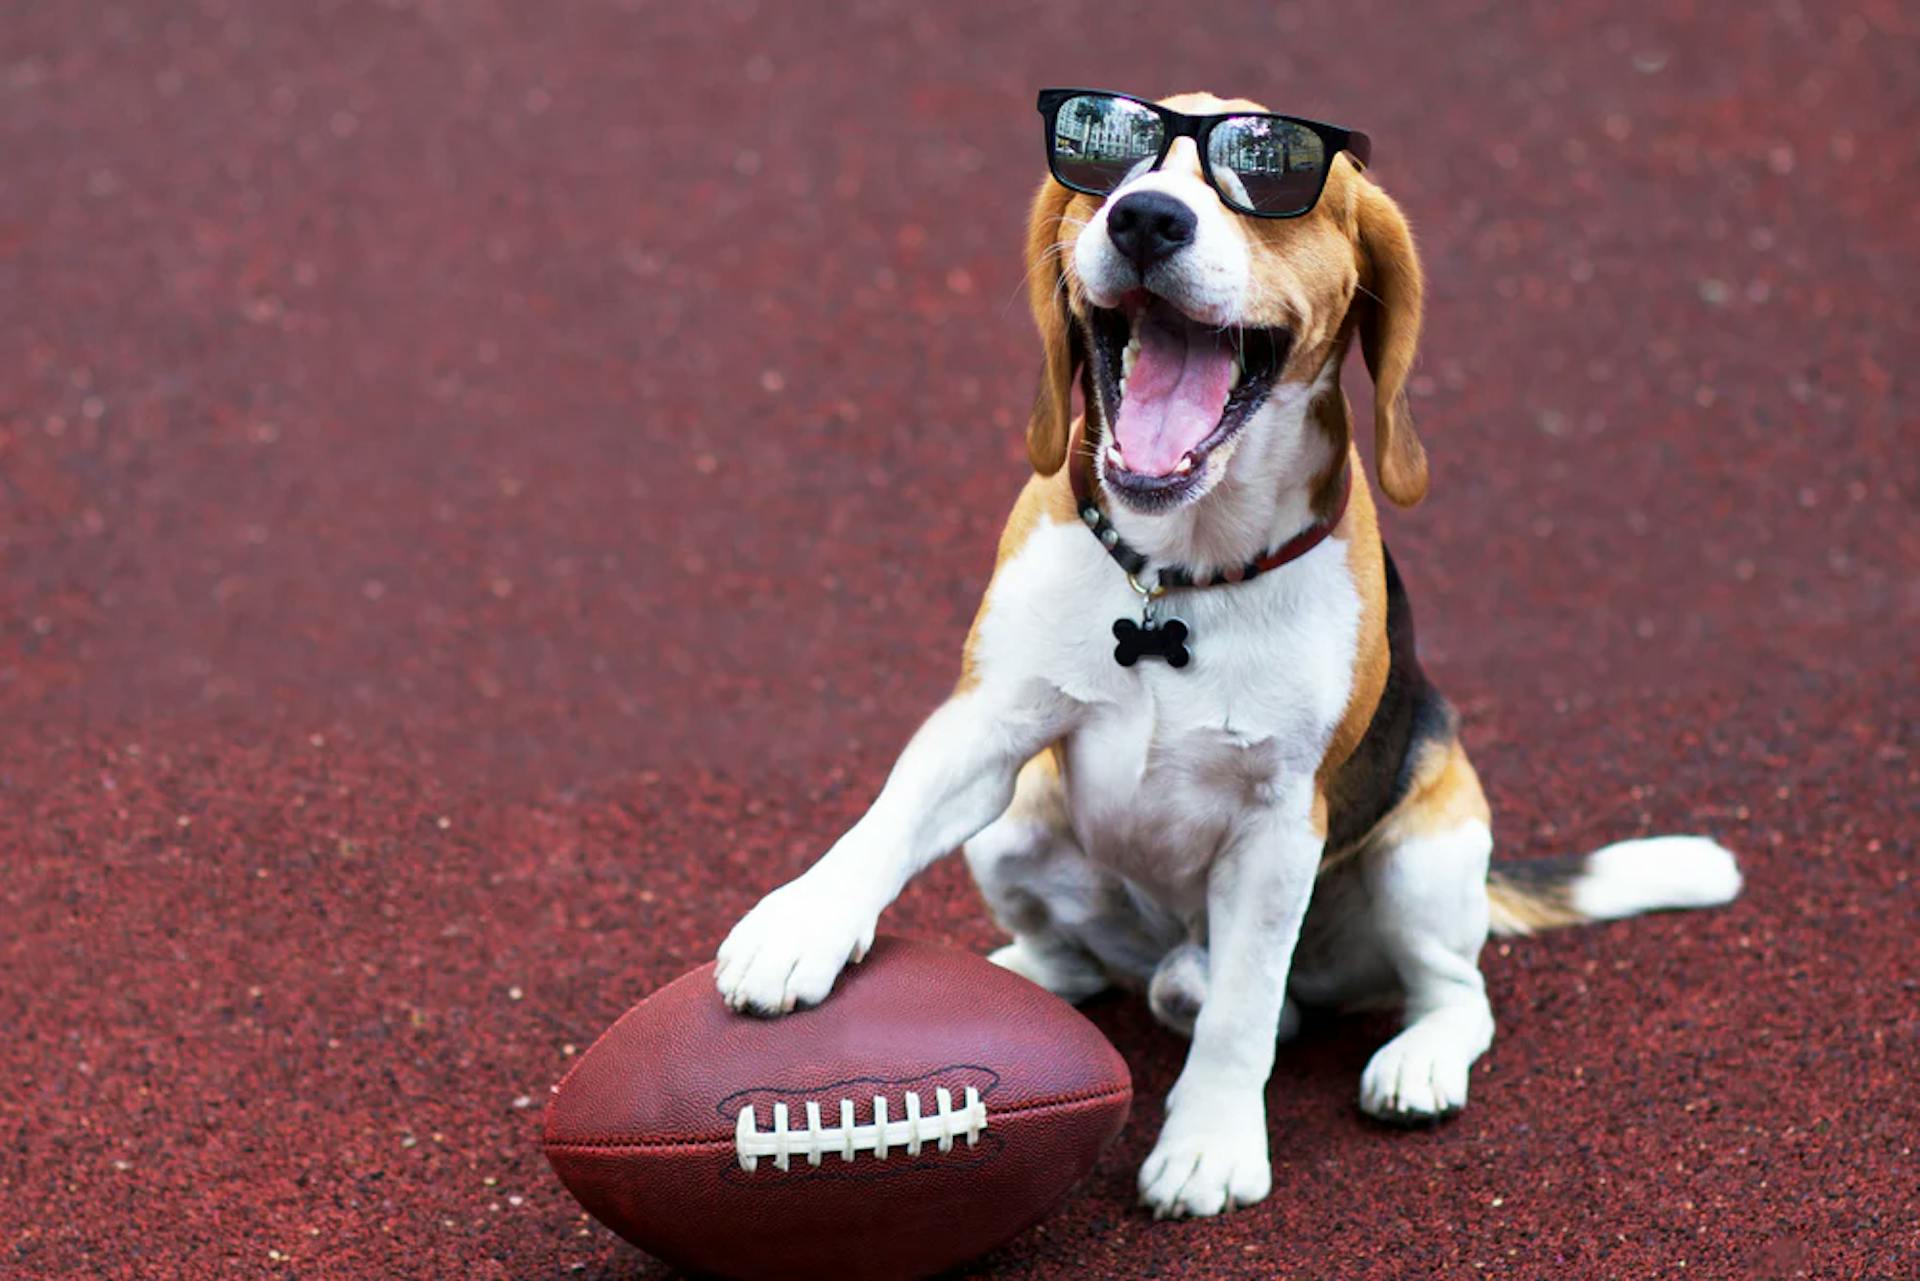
[[1178, 124]]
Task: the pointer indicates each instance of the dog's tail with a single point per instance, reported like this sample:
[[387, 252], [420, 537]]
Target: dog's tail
[[1619, 880]]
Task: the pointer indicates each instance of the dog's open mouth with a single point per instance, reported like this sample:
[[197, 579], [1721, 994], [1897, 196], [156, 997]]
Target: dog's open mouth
[[1172, 391]]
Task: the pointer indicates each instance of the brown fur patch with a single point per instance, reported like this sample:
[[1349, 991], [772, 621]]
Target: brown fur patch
[[1445, 794], [1389, 304], [1037, 793], [1048, 246], [1370, 659]]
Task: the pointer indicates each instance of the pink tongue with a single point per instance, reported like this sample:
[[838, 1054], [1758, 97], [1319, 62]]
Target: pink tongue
[[1175, 393]]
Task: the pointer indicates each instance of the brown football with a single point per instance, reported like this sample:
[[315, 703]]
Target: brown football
[[934, 1106]]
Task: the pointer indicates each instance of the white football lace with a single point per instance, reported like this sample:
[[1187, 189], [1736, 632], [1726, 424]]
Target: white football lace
[[781, 1143]]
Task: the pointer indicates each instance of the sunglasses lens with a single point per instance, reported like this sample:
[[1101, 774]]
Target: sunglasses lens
[[1265, 165], [1099, 141]]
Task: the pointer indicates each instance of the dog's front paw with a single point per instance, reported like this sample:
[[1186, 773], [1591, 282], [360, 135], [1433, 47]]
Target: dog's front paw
[[1208, 1162], [789, 949]]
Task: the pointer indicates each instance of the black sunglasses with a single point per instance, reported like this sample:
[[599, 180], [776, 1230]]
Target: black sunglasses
[[1264, 165]]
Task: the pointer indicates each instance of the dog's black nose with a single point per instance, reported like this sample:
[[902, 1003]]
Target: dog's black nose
[[1149, 226]]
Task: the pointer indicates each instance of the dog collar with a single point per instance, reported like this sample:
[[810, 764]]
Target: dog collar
[[1168, 640]]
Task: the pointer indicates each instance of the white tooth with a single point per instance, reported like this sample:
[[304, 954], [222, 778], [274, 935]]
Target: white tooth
[[1114, 457], [1123, 386], [1185, 464], [1131, 354]]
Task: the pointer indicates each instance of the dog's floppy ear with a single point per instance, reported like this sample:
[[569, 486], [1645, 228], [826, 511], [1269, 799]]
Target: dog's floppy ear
[[1059, 338], [1388, 308]]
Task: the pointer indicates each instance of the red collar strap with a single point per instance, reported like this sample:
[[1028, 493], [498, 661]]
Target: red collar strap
[[1080, 476]]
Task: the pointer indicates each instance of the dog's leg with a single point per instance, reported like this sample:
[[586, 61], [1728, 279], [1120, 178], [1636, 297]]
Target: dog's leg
[[1075, 925], [1034, 878], [954, 778], [1212, 1151], [1179, 989], [1430, 916]]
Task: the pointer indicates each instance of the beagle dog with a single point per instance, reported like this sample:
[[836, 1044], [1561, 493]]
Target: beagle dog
[[1267, 807]]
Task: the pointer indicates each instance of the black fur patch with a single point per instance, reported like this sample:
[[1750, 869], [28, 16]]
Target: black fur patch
[[1547, 879]]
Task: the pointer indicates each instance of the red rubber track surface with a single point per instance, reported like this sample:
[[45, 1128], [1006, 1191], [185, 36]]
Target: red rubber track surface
[[486, 488]]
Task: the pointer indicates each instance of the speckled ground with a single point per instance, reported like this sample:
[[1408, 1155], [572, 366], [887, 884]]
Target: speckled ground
[[485, 488]]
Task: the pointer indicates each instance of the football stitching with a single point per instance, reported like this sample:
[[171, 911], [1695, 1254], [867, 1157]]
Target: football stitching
[[781, 1144]]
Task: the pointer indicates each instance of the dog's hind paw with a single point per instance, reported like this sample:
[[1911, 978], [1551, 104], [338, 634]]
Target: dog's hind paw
[[1420, 1076]]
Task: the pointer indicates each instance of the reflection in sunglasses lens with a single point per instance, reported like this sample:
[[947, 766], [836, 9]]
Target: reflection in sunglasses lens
[[1266, 165], [1098, 141]]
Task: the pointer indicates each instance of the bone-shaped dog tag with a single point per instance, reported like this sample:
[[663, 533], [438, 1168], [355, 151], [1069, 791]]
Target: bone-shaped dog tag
[[1149, 639]]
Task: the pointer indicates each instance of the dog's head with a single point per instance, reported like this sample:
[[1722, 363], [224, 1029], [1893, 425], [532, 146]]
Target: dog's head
[[1185, 318]]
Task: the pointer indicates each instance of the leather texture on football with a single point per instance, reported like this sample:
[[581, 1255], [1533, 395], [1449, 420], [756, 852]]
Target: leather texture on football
[[932, 1107]]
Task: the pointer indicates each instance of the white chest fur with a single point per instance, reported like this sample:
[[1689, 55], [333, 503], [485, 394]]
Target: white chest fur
[[1164, 764]]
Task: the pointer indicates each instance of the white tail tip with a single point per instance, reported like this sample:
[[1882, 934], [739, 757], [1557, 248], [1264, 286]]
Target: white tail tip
[[1649, 875]]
